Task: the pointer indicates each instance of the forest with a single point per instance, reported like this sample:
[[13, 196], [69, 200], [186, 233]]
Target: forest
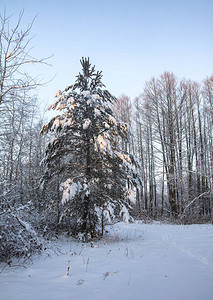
[[100, 159]]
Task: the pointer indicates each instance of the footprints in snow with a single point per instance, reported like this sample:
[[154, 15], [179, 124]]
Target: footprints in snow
[[183, 249]]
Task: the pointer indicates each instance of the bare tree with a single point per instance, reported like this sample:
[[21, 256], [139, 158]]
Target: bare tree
[[14, 56]]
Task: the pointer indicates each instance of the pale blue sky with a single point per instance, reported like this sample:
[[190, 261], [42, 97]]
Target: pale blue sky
[[129, 40]]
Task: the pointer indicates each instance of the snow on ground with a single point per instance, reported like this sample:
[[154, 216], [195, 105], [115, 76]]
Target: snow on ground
[[133, 261]]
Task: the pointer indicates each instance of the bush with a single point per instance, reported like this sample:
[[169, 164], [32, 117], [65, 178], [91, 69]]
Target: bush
[[17, 237]]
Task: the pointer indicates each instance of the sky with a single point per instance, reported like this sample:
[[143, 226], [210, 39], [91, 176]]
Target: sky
[[129, 40]]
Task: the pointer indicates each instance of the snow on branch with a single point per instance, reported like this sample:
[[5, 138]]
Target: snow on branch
[[193, 200], [86, 123], [24, 224], [124, 214], [70, 190]]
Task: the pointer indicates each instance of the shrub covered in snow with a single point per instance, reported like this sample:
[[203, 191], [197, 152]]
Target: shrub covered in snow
[[17, 237]]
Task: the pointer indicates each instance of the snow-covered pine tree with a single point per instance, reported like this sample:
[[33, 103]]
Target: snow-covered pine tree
[[98, 179]]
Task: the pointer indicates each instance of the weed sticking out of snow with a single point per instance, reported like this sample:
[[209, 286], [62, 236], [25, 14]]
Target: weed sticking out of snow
[[68, 270], [87, 264], [109, 274]]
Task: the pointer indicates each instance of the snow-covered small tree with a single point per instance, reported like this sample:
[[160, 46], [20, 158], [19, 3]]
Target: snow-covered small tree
[[97, 178]]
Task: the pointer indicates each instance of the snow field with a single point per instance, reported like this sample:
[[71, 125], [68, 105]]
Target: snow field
[[133, 261]]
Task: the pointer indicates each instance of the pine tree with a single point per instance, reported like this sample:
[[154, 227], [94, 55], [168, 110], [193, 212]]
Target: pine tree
[[97, 178]]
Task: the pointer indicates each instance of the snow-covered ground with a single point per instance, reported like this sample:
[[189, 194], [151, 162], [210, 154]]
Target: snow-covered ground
[[133, 261]]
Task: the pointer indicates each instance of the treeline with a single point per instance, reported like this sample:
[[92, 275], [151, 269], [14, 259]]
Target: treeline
[[171, 124]]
